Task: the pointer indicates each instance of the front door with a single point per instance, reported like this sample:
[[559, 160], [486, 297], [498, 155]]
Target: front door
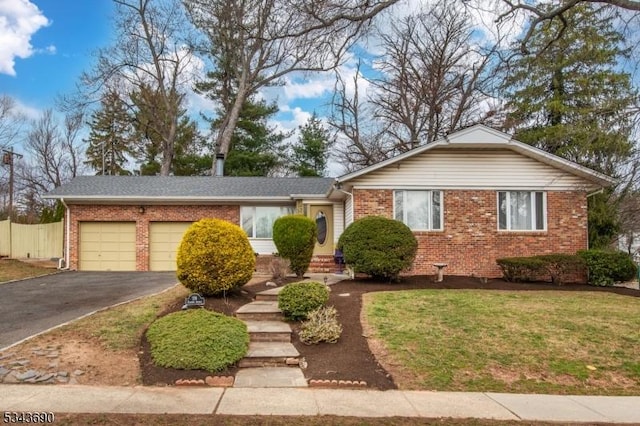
[[323, 216]]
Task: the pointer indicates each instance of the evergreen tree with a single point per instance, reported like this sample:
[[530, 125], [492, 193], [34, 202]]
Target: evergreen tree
[[311, 151], [256, 148], [187, 149], [111, 137], [571, 99]]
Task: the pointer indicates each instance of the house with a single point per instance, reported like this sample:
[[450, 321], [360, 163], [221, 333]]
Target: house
[[470, 198]]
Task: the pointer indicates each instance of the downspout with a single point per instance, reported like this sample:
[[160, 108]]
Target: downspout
[[67, 245], [596, 192], [337, 187]]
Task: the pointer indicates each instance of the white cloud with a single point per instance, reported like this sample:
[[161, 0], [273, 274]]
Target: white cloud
[[19, 20]]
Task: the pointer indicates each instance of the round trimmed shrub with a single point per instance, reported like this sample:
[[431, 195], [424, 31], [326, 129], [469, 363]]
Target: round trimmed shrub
[[296, 300], [295, 238], [214, 256], [378, 247], [606, 267], [197, 339]]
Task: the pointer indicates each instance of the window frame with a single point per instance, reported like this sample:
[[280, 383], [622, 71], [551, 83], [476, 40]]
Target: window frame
[[430, 209], [254, 209], [534, 210]]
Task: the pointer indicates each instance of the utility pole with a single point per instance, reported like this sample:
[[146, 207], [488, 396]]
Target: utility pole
[[8, 159]]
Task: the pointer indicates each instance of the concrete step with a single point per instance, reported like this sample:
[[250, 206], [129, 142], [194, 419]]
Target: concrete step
[[260, 311], [270, 377], [269, 331], [270, 295], [269, 354]]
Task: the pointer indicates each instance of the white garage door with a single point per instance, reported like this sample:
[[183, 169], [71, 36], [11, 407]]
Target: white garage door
[[107, 246], [164, 239]]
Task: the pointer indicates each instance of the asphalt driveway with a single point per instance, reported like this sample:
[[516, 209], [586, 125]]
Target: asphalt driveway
[[31, 306]]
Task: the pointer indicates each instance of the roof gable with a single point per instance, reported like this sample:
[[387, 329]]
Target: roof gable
[[483, 137]]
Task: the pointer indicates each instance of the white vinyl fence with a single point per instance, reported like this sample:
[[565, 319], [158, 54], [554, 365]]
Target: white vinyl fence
[[42, 241]]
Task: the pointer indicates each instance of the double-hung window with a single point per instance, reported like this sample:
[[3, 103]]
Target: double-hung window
[[257, 222], [419, 210], [522, 210]]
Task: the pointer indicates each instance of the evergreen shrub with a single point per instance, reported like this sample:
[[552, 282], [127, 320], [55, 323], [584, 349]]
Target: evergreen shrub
[[296, 300], [606, 267], [378, 247], [295, 238], [214, 256]]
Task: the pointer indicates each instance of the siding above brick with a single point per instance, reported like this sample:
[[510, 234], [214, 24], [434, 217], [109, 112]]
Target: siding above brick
[[470, 169]]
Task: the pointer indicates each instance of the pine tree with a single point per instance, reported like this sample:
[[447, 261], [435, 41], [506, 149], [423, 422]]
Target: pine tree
[[187, 149], [311, 151], [111, 137], [572, 100], [256, 148]]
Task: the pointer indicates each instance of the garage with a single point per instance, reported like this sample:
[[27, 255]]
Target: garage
[[107, 246], [164, 239]]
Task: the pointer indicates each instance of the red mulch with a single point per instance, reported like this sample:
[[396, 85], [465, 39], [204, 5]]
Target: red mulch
[[349, 358]]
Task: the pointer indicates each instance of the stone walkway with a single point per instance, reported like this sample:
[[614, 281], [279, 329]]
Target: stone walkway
[[272, 361]]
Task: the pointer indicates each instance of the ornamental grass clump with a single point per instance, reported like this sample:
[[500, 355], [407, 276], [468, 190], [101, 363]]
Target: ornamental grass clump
[[214, 257], [296, 300], [197, 339], [321, 326]]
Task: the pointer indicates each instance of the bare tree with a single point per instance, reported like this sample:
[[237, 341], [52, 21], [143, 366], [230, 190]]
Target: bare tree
[[542, 12], [434, 76], [359, 135], [148, 56], [254, 43], [54, 155], [11, 121]]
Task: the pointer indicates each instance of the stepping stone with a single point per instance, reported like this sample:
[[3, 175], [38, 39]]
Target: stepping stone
[[269, 331], [270, 377], [259, 311], [269, 295], [271, 350], [268, 354]]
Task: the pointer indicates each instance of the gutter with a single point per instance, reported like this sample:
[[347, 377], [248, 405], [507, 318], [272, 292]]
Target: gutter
[[599, 191], [67, 244]]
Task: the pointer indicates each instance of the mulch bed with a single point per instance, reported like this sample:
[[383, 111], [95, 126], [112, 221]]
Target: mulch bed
[[349, 358]]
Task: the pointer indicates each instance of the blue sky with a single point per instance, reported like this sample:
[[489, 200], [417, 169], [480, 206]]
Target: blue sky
[[60, 50], [51, 43]]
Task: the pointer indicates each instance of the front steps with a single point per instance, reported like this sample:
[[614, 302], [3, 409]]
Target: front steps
[[270, 337]]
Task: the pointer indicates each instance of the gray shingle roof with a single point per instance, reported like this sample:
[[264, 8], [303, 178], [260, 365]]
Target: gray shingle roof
[[188, 187]]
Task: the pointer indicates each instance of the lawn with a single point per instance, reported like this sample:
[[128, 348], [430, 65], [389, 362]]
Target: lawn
[[509, 341], [11, 269]]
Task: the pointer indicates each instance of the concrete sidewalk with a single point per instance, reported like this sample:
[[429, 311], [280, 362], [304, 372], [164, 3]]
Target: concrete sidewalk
[[313, 401]]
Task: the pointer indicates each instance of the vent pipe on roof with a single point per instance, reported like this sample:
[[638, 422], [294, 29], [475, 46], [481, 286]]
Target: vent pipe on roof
[[220, 164]]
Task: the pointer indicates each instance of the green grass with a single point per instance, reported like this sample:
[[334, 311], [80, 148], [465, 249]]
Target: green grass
[[11, 269], [198, 339], [121, 327], [530, 342]]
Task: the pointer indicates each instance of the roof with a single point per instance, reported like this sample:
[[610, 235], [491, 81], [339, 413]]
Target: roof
[[481, 136], [189, 188]]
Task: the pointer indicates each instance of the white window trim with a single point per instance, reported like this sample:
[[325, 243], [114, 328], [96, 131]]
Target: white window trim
[[533, 207], [430, 213], [253, 224]]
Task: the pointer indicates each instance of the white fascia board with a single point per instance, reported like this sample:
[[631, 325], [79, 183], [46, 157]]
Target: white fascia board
[[164, 200]]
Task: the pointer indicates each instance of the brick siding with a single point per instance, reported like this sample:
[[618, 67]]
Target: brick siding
[[125, 213], [470, 242]]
